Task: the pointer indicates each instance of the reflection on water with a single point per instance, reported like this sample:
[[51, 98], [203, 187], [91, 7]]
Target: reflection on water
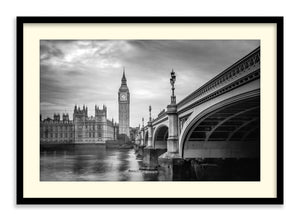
[[91, 163]]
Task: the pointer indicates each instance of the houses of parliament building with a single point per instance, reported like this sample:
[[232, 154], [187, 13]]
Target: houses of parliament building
[[85, 129], [82, 129]]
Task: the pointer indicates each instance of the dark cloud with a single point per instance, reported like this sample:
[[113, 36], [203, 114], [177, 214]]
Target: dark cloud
[[48, 51]]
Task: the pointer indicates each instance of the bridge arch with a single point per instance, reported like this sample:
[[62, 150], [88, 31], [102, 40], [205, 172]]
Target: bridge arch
[[228, 129], [160, 137]]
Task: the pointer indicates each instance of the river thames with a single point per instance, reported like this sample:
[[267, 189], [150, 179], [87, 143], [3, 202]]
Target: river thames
[[92, 163]]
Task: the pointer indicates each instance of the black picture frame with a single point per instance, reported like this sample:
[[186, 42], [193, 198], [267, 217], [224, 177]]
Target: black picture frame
[[20, 199]]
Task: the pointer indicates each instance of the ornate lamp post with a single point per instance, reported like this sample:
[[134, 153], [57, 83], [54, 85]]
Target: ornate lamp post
[[150, 113], [173, 119], [142, 133], [150, 128], [172, 81]]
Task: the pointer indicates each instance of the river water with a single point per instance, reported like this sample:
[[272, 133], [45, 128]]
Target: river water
[[92, 163]]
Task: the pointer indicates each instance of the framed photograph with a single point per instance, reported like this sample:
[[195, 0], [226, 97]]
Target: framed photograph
[[149, 110]]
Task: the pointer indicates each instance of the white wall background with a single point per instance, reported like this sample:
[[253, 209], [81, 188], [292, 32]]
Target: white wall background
[[8, 12]]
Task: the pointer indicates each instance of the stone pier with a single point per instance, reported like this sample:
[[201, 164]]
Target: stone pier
[[171, 162], [149, 153]]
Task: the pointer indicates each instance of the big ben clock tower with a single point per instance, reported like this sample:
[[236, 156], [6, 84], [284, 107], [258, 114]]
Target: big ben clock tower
[[124, 101]]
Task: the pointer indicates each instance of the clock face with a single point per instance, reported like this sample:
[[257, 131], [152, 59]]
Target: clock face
[[123, 97]]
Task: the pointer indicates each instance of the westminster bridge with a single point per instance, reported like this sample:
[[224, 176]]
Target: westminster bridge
[[215, 129]]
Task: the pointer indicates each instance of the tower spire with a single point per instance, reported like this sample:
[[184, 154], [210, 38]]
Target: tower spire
[[124, 77]]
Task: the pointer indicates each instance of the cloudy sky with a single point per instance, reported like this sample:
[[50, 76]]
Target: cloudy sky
[[89, 72]]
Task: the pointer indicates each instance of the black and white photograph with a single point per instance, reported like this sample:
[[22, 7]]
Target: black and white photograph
[[150, 110]]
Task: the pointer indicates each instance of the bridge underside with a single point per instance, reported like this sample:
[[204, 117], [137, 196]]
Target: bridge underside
[[161, 137], [226, 143], [151, 153]]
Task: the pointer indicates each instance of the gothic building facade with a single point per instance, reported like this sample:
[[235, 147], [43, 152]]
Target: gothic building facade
[[82, 129]]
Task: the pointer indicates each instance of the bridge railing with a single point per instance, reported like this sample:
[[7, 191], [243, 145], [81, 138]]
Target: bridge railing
[[227, 75], [159, 117]]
